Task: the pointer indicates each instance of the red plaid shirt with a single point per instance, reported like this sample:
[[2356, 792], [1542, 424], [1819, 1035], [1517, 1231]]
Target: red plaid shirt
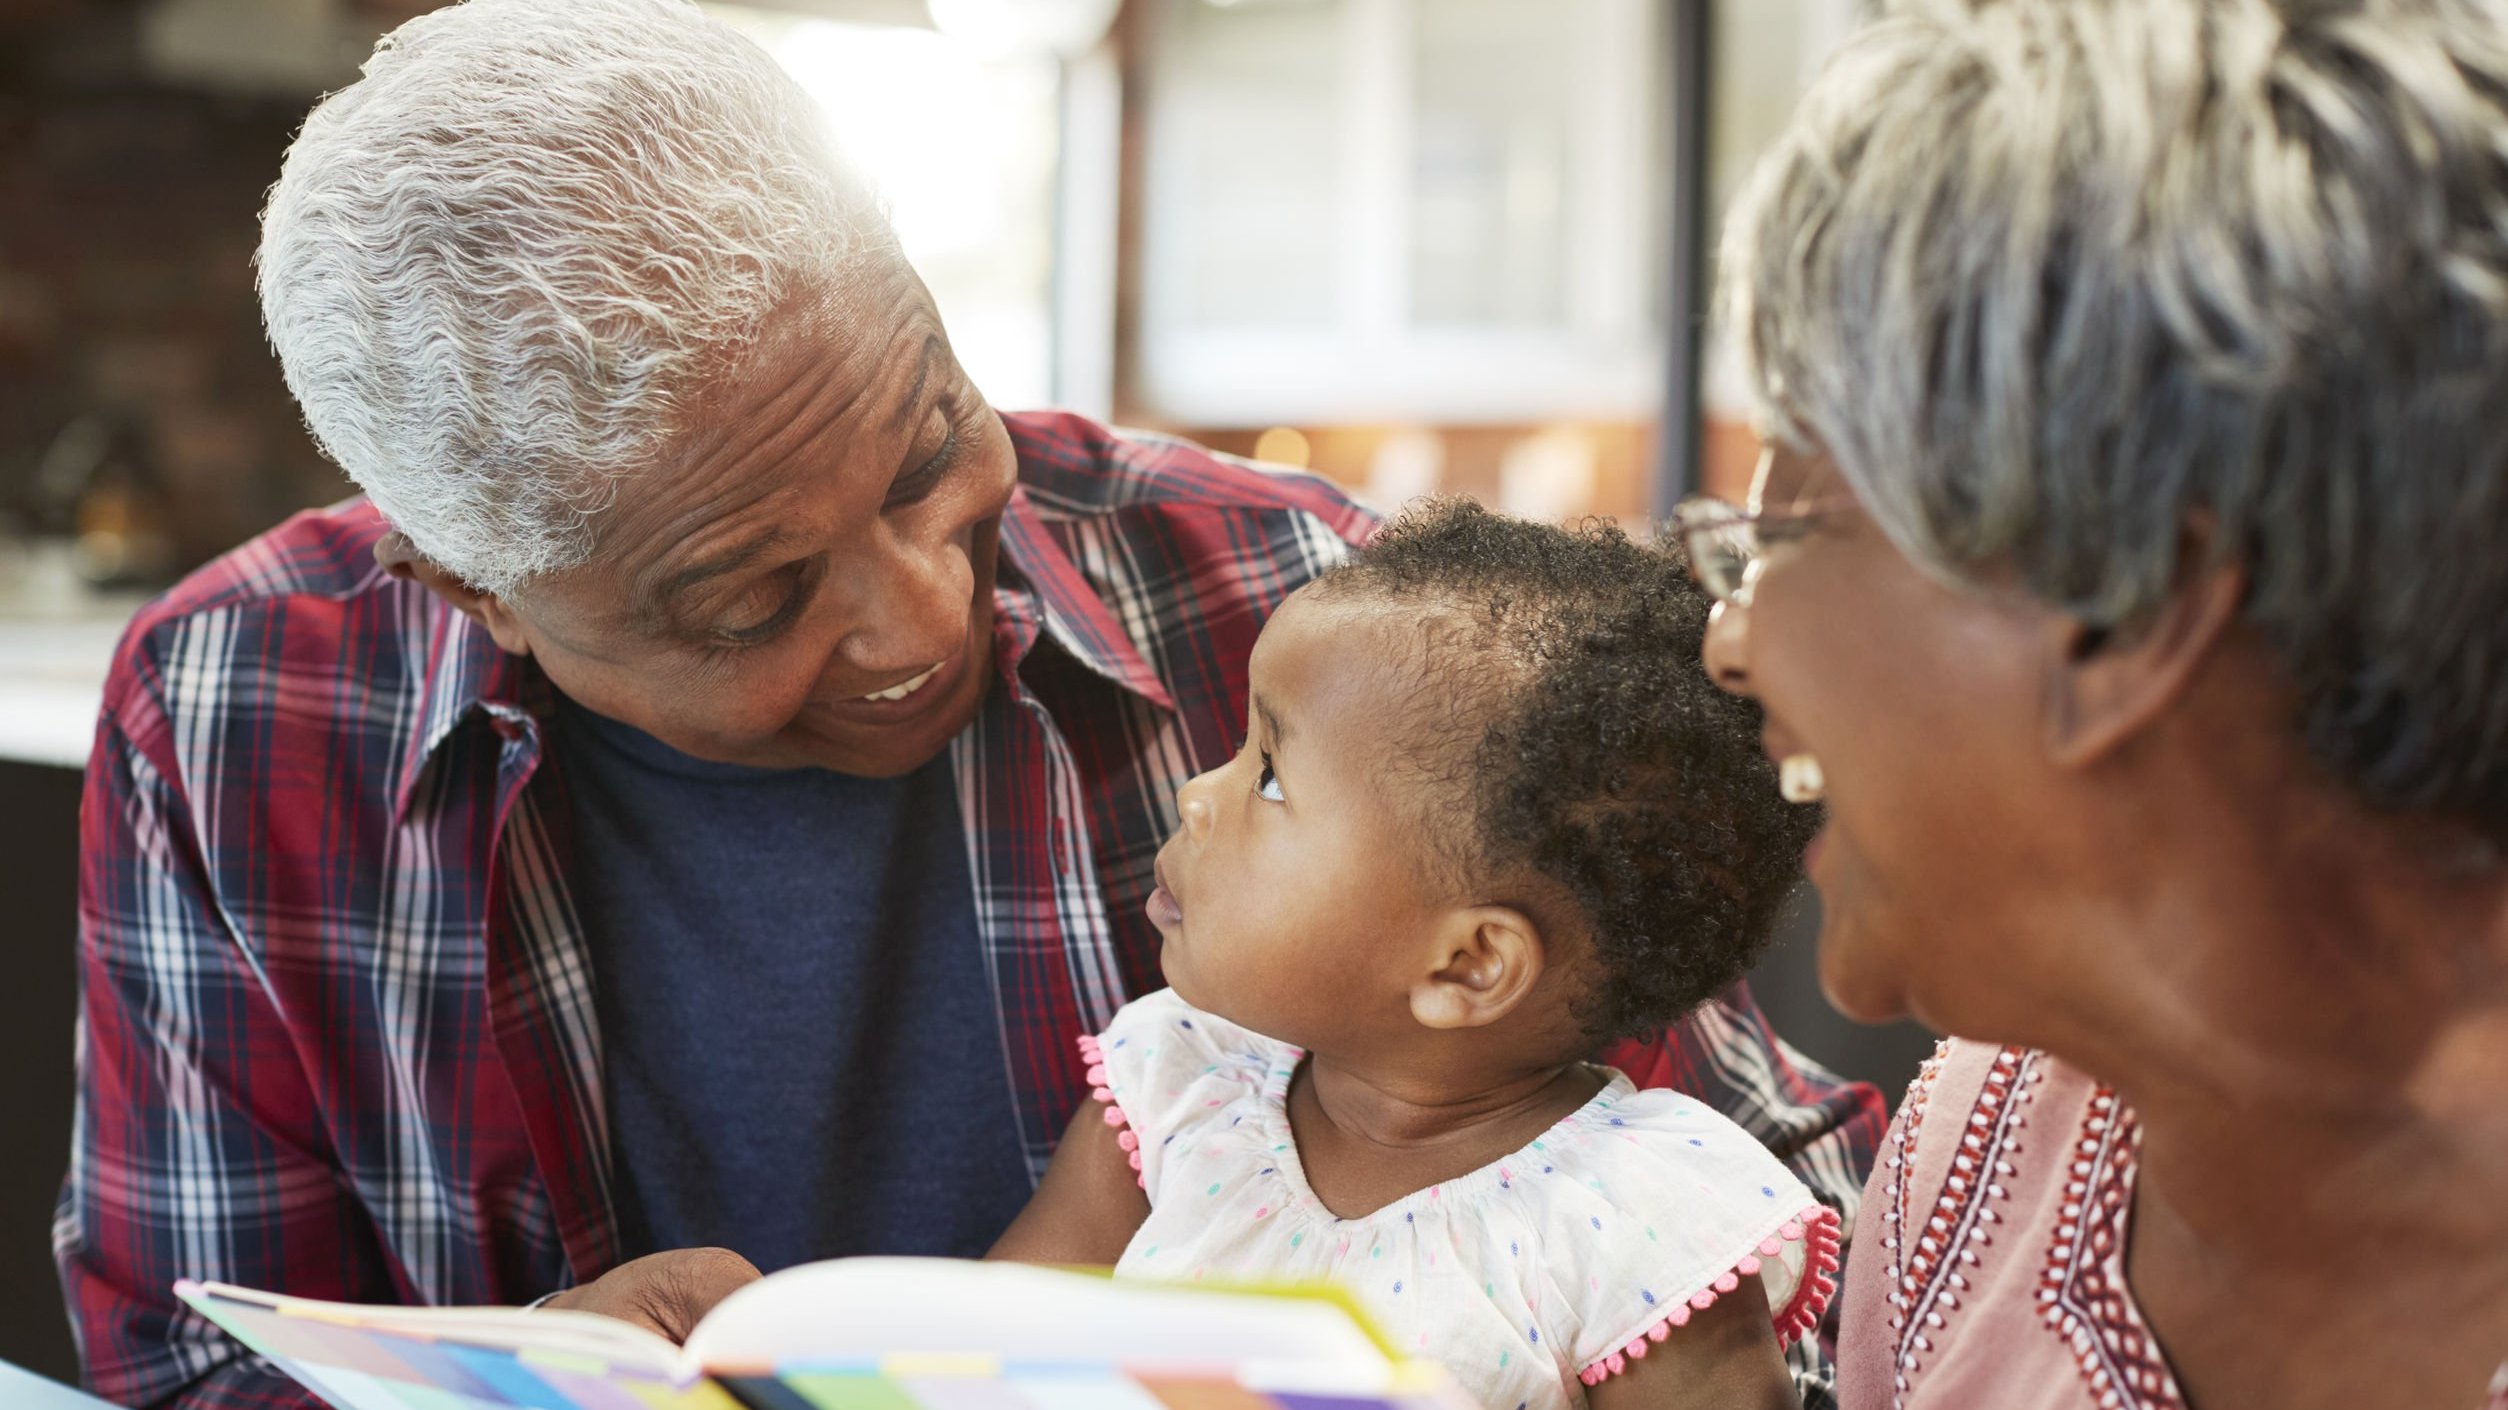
[[338, 1032]]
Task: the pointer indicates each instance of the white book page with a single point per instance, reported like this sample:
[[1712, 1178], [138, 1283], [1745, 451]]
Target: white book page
[[858, 1308], [505, 1328]]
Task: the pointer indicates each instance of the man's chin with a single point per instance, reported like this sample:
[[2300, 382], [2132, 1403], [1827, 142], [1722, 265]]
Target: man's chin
[[887, 753], [887, 750]]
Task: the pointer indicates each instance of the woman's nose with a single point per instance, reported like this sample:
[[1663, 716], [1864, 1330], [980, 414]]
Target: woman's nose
[[1726, 649]]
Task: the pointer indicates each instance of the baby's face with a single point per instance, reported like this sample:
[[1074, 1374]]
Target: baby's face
[[1287, 897]]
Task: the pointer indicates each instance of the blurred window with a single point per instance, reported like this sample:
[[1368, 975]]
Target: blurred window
[[962, 145], [1492, 146], [1380, 210], [1251, 163]]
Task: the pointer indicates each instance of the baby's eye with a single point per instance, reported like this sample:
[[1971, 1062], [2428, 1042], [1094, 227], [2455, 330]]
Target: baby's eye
[[1267, 787]]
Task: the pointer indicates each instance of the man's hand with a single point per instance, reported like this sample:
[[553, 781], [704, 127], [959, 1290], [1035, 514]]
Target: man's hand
[[664, 1293]]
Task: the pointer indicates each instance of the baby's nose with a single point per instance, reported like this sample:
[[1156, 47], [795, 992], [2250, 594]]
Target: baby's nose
[[1193, 801]]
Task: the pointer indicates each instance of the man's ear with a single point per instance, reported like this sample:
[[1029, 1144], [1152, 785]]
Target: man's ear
[[401, 558], [2104, 687], [1487, 959]]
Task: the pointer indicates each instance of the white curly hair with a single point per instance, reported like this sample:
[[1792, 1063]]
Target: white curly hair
[[496, 267]]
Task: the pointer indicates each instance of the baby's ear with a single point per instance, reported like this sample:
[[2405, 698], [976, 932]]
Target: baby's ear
[[1485, 961]]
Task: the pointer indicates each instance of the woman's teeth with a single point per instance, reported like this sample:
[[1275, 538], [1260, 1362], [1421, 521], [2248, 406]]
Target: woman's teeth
[[1800, 780], [904, 688]]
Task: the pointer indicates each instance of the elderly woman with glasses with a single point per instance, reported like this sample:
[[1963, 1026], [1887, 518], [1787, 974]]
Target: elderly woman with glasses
[[2129, 580]]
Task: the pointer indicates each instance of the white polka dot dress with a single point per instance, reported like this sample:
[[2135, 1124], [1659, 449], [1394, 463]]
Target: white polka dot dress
[[1530, 1278]]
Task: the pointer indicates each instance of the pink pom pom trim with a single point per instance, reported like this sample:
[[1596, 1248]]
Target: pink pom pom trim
[[1815, 1228], [1126, 1138]]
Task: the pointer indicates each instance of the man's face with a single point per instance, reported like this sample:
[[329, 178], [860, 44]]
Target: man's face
[[820, 535]]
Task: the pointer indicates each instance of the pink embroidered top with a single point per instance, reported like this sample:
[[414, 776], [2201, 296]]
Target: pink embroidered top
[[1530, 1279], [1989, 1262]]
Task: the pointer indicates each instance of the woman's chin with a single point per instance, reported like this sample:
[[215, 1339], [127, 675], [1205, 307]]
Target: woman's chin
[[1851, 980]]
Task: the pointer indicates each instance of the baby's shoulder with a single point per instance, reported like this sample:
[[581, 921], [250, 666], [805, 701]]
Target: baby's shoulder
[[1648, 1205], [1161, 1033], [1633, 1153], [1170, 1068]]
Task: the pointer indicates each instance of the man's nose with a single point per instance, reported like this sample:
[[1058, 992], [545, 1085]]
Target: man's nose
[[1726, 649], [910, 608]]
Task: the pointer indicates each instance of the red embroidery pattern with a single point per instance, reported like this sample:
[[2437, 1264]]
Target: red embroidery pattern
[[1929, 1249], [2082, 1292]]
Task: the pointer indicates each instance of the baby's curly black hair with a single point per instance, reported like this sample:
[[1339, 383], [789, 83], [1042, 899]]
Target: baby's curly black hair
[[1568, 712]]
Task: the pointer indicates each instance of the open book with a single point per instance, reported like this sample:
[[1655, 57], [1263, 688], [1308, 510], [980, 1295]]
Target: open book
[[854, 1334]]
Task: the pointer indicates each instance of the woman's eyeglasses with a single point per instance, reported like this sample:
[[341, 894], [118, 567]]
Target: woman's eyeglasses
[[1728, 545]]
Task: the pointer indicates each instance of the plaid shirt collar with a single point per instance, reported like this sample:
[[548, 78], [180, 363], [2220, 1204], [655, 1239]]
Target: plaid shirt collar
[[1042, 594], [1071, 612], [466, 671]]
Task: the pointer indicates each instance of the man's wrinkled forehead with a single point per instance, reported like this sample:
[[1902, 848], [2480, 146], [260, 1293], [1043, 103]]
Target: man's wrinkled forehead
[[856, 347], [830, 379]]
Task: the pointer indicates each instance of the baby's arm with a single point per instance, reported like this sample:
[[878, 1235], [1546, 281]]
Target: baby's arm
[[1726, 1358], [1088, 1206]]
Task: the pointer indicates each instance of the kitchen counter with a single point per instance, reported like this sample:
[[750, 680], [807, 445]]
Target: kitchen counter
[[56, 644], [52, 675]]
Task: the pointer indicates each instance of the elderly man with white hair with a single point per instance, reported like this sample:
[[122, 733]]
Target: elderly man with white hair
[[695, 798]]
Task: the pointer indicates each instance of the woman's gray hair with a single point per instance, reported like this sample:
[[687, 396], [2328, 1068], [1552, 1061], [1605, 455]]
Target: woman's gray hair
[[2055, 282], [496, 265]]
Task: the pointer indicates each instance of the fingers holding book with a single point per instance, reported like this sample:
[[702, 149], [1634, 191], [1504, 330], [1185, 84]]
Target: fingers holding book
[[664, 1293]]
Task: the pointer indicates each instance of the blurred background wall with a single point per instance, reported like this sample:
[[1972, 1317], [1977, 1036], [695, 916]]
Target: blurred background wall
[[1414, 245]]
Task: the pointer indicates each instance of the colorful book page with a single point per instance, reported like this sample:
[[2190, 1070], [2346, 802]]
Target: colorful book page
[[914, 1385], [453, 1364], [846, 1390], [1066, 1388], [1207, 1395], [360, 1368]]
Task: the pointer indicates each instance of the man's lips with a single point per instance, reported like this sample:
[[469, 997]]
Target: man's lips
[[905, 687], [937, 686]]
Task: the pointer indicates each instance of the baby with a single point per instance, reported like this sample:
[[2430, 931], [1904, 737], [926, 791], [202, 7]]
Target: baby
[[1489, 815]]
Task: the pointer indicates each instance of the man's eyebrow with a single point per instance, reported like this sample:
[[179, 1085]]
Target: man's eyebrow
[[922, 376], [1273, 730]]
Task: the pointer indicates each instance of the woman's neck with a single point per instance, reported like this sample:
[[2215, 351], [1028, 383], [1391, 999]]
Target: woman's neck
[[2374, 1231], [2334, 1020], [2316, 1060]]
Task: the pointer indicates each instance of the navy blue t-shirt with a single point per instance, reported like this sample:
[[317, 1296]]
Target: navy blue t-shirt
[[799, 1043]]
